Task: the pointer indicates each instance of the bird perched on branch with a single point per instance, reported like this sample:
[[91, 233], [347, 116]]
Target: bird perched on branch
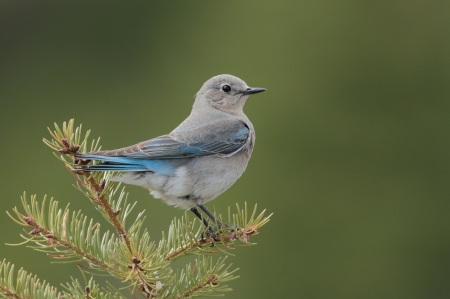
[[200, 159]]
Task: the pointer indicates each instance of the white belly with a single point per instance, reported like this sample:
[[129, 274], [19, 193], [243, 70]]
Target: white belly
[[198, 181], [202, 179]]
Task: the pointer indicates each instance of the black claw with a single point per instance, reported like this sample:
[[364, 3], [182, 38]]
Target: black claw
[[227, 225], [212, 232]]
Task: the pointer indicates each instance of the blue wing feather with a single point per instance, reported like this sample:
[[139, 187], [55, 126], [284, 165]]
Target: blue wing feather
[[159, 154], [165, 167]]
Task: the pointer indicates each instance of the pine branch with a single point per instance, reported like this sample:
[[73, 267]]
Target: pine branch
[[90, 291], [179, 244], [24, 285], [202, 278], [62, 236], [68, 142]]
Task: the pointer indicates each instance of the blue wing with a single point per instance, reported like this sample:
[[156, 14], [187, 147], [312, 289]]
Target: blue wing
[[221, 138], [214, 143]]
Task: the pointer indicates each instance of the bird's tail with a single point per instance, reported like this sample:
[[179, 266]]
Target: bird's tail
[[112, 163]]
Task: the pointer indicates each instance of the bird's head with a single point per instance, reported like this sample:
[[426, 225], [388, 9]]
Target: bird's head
[[226, 93]]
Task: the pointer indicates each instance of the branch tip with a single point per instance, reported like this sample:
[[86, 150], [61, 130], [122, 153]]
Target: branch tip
[[78, 171], [29, 221], [65, 142]]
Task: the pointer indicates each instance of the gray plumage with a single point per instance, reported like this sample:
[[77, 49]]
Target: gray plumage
[[201, 158]]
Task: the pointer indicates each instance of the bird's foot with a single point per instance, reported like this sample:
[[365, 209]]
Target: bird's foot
[[231, 227], [214, 233], [210, 233]]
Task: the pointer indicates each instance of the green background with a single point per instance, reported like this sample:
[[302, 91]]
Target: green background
[[352, 151]]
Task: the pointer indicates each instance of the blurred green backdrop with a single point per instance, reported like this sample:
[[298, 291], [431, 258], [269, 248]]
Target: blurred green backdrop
[[352, 151]]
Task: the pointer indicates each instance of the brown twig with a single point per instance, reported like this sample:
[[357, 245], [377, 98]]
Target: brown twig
[[212, 280], [96, 188], [103, 202], [226, 237], [51, 237], [10, 294]]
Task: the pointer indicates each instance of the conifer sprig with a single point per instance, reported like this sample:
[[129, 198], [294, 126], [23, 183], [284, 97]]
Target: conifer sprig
[[25, 285], [90, 290], [202, 278], [68, 141], [242, 227], [66, 235]]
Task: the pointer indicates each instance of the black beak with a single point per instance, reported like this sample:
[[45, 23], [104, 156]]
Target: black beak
[[252, 90]]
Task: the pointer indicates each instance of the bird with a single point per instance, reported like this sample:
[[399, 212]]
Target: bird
[[200, 159]]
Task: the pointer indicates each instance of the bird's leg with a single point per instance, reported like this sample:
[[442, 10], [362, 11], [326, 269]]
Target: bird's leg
[[197, 213], [210, 215], [205, 222]]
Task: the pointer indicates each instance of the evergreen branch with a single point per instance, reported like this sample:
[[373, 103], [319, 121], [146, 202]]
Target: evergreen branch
[[103, 201], [24, 285], [202, 278], [90, 291], [183, 238], [149, 269], [67, 237], [74, 237], [68, 142]]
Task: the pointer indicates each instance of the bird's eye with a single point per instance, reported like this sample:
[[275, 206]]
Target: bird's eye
[[226, 88]]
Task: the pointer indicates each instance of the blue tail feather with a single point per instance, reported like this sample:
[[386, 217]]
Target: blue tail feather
[[164, 166], [115, 167]]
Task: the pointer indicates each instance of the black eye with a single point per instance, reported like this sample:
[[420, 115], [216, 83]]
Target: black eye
[[226, 88]]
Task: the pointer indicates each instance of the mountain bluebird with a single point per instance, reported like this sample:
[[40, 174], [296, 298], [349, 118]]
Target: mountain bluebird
[[200, 159]]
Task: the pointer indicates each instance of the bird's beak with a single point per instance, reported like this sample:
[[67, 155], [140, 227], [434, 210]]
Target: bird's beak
[[252, 90]]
